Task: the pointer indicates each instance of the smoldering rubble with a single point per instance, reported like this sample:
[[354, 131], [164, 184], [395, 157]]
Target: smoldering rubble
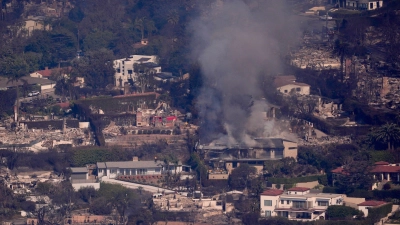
[[237, 48]]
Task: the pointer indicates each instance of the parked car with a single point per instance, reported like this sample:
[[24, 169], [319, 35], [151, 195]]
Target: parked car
[[33, 93], [326, 17]]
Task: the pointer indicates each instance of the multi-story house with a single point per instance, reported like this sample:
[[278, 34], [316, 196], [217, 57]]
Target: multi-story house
[[297, 203], [364, 4], [126, 71], [136, 167]]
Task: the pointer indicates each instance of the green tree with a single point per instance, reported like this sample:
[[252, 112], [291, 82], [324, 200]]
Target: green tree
[[239, 178], [342, 212]]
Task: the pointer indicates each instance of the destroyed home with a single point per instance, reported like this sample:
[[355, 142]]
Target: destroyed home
[[223, 159], [42, 135], [297, 203]]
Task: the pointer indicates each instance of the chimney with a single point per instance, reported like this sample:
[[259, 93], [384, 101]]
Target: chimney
[[135, 159], [46, 68]]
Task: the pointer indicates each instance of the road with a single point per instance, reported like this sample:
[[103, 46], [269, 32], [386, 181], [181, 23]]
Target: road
[[130, 185]]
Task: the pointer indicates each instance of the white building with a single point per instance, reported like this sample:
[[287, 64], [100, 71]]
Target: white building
[[135, 167], [35, 23], [288, 85], [364, 4], [297, 203], [125, 68], [82, 177], [364, 206], [298, 88]]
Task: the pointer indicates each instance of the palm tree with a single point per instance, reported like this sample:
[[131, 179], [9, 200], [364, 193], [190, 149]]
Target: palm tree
[[173, 17], [139, 25], [341, 50], [388, 133], [150, 27]]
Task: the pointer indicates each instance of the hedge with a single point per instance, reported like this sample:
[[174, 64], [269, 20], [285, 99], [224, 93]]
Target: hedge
[[295, 180], [385, 194], [375, 214], [341, 212]]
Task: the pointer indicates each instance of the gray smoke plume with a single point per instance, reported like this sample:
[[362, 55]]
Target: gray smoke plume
[[237, 46]]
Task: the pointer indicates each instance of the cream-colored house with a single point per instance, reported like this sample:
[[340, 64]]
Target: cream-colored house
[[365, 206], [35, 23], [297, 203]]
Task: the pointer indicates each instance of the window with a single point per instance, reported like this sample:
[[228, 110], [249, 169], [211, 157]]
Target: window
[[299, 204], [285, 214], [285, 91], [158, 170], [288, 202], [267, 202], [267, 213], [371, 5], [323, 203], [282, 202], [298, 89]]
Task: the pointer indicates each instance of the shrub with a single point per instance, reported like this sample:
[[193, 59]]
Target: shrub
[[387, 186], [342, 212], [294, 180], [375, 214]]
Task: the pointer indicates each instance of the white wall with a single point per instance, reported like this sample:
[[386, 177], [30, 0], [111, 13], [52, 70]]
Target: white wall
[[47, 86], [82, 185], [364, 209], [286, 89], [124, 66], [264, 208], [36, 74], [375, 5]]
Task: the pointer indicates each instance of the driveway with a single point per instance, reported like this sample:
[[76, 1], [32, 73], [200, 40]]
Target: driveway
[[130, 185]]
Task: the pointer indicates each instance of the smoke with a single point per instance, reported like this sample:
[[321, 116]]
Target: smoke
[[237, 47]]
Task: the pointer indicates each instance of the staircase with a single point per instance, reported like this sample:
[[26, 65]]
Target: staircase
[[380, 186]]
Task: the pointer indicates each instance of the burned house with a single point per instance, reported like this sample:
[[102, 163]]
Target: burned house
[[223, 159]]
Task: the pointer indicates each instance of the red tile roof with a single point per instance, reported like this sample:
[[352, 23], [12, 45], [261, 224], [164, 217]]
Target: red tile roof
[[386, 169], [299, 189], [272, 192], [339, 170], [47, 72], [381, 163], [372, 203]]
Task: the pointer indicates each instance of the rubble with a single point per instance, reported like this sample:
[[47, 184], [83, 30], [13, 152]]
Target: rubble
[[41, 139]]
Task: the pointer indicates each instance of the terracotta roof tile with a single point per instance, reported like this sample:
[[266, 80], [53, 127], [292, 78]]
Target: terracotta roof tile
[[386, 169], [299, 189], [372, 203], [272, 192], [381, 163]]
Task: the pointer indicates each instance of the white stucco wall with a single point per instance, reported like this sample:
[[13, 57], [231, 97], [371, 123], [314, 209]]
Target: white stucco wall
[[78, 186], [302, 90]]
